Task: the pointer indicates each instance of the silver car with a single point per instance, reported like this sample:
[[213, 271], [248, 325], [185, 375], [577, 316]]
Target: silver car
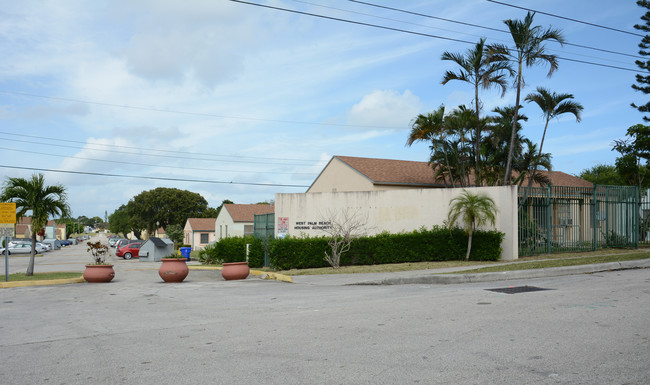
[[19, 248]]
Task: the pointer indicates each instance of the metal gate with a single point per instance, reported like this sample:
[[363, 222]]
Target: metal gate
[[264, 225], [560, 219]]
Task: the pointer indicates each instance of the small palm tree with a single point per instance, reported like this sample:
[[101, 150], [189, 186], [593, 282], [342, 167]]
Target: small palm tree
[[528, 50], [552, 106], [473, 210], [43, 201]]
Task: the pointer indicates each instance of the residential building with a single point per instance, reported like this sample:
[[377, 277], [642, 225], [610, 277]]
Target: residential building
[[199, 232], [236, 220]]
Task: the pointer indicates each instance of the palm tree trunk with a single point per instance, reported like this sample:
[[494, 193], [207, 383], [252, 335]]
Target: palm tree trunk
[[469, 245], [506, 179], [477, 141], [539, 155], [30, 266]]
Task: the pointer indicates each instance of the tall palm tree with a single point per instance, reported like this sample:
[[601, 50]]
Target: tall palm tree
[[525, 163], [552, 106], [431, 128], [477, 70], [43, 201], [473, 210], [528, 50]]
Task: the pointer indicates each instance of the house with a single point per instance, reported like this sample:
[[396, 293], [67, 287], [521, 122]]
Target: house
[[236, 220], [348, 173], [199, 232], [24, 227]]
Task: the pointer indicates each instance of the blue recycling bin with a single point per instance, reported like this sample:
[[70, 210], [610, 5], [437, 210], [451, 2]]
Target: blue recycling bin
[[185, 252]]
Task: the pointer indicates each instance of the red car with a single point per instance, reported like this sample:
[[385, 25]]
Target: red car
[[131, 250]]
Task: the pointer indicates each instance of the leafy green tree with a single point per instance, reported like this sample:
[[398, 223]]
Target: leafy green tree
[[175, 232], [643, 81], [118, 221], [42, 200], [603, 174], [552, 105], [528, 50], [163, 206], [634, 164], [473, 210], [477, 70], [495, 147]]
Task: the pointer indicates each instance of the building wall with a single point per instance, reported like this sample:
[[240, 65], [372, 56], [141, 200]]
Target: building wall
[[393, 211], [226, 227], [344, 177], [196, 239]]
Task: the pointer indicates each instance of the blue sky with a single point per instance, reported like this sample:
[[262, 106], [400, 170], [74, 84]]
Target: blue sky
[[215, 91]]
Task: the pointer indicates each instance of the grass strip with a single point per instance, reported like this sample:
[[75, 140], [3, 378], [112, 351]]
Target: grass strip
[[557, 263], [43, 276]]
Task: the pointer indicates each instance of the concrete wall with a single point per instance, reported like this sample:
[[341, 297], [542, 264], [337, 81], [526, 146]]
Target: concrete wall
[[393, 211]]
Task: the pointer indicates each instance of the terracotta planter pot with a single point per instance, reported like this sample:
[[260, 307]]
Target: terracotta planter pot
[[173, 269], [99, 273], [235, 270]]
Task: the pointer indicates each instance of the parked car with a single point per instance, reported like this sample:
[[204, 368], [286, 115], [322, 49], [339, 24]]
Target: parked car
[[112, 241], [124, 242], [47, 246], [65, 242], [20, 248], [130, 250], [74, 241]]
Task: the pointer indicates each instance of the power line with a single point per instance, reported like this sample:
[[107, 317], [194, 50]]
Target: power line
[[157, 165], [140, 108], [567, 18], [411, 32], [156, 150], [484, 27], [175, 156], [153, 177], [353, 22]]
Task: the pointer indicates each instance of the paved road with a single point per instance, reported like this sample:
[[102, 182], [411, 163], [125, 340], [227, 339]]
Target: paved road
[[588, 329]]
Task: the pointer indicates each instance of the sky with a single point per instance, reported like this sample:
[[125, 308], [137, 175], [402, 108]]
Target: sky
[[236, 101]]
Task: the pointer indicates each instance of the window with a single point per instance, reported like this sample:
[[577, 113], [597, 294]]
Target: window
[[248, 229], [205, 238]]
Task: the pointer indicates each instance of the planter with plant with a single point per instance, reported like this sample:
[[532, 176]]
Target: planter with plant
[[173, 268], [99, 271]]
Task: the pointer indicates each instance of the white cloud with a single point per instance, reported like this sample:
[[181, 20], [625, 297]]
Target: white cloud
[[385, 108]]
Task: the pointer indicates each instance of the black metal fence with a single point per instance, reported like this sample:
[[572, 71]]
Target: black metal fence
[[560, 219]]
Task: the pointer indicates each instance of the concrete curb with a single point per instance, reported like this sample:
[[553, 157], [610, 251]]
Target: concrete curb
[[42, 283], [259, 273], [508, 275]]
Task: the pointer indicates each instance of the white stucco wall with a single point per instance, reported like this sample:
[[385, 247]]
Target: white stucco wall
[[394, 211], [226, 227]]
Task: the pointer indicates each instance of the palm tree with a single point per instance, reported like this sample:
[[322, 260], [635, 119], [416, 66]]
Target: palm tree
[[528, 159], [474, 210], [529, 49], [431, 128], [43, 201], [495, 146], [552, 106], [477, 70]]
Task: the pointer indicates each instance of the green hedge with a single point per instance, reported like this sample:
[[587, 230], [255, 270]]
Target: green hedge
[[437, 244]]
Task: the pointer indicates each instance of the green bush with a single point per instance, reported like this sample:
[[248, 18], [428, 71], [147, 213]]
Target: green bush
[[437, 244]]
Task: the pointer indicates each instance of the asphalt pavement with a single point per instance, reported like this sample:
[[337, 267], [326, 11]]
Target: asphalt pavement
[[581, 329]]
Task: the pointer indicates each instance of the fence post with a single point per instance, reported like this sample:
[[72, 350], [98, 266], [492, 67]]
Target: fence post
[[635, 218], [594, 202], [549, 228]]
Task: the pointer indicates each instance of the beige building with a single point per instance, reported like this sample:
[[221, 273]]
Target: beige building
[[199, 232], [236, 220], [391, 195]]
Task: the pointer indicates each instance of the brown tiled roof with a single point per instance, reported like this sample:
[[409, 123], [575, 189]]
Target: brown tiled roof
[[559, 178], [405, 172], [389, 171], [246, 213], [22, 229], [25, 220], [202, 224]]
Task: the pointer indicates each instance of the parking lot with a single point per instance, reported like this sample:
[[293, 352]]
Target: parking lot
[[585, 329]]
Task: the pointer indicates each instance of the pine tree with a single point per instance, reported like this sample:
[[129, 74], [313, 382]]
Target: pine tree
[[643, 81]]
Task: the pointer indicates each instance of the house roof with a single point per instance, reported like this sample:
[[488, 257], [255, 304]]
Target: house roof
[[406, 172], [390, 171], [202, 224], [246, 213]]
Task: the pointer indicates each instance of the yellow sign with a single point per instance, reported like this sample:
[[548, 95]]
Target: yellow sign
[[8, 212]]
